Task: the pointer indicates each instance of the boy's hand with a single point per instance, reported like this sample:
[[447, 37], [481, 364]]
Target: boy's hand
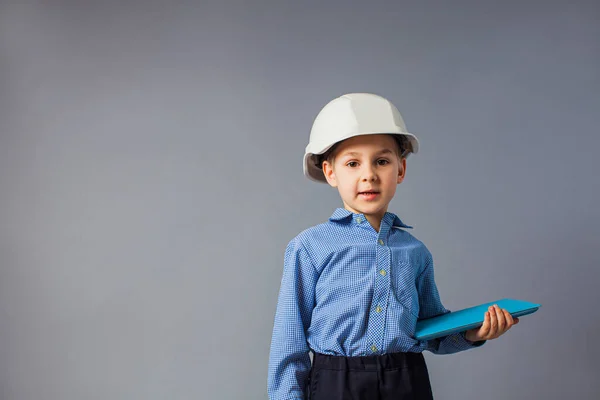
[[496, 322]]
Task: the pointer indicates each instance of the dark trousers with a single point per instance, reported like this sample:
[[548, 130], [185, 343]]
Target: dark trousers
[[397, 376]]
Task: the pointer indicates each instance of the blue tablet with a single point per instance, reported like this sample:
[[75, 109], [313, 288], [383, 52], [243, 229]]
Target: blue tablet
[[468, 318]]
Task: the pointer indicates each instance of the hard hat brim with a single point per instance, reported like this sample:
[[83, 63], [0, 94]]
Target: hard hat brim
[[315, 173]]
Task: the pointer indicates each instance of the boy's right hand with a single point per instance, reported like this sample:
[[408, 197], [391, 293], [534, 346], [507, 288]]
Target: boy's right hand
[[496, 322]]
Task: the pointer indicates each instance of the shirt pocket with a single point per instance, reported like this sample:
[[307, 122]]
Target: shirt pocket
[[405, 288]]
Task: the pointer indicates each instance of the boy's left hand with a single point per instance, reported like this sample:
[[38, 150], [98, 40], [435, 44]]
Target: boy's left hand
[[496, 322]]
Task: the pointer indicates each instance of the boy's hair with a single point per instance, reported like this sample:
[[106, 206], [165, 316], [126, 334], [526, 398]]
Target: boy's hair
[[402, 144]]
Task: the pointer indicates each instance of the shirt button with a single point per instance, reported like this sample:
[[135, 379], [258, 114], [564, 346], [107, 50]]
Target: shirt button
[[378, 309], [381, 242], [382, 272], [359, 220], [373, 348]]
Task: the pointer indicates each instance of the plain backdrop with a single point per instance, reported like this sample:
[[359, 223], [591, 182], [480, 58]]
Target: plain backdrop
[[151, 177]]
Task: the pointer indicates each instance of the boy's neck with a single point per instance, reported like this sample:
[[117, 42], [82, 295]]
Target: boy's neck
[[374, 219]]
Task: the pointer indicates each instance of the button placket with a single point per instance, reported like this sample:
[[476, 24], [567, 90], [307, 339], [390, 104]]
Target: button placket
[[381, 290], [381, 293]]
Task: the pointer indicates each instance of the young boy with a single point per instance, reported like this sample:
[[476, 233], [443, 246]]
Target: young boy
[[353, 287]]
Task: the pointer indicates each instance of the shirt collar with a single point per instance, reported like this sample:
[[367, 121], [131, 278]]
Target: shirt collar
[[343, 215]]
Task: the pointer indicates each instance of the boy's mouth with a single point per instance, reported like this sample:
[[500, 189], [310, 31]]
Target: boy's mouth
[[370, 195]]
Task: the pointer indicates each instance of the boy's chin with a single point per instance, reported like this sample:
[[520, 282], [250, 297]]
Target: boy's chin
[[370, 208]]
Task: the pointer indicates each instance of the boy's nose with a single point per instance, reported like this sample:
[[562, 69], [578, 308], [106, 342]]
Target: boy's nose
[[369, 175]]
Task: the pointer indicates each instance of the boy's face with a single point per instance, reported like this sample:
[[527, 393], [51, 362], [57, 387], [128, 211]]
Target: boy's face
[[366, 170]]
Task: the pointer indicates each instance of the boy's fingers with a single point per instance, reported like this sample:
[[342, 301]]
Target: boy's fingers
[[493, 322], [500, 318], [509, 319], [485, 329]]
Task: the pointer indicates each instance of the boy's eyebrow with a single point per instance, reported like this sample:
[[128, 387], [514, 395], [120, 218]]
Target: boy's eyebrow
[[355, 154]]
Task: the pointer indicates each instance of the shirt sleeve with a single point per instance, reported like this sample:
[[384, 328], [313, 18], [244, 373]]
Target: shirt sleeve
[[289, 362], [430, 305]]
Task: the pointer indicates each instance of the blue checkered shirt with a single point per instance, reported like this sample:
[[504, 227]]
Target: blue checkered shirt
[[349, 290]]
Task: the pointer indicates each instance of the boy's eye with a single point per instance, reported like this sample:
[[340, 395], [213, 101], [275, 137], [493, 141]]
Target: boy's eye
[[382, 162], [352, 164]]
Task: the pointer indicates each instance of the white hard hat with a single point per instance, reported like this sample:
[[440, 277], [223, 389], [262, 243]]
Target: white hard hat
[[352, 115]]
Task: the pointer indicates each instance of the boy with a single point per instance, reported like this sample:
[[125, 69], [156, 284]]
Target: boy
[[353, 287]]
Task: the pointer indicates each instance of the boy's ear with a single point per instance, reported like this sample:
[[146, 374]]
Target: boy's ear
[[402, 170], [329, 173]]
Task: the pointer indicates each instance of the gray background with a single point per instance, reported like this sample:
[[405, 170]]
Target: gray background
[[150, 177]]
